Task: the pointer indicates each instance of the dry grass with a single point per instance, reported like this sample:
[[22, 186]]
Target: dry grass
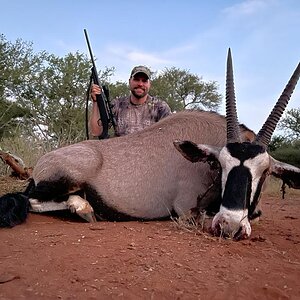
[[11, 185], [199, 224], [28, 151]]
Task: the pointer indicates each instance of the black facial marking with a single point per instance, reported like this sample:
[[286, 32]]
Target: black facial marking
[[238, 186], [191, 152], [252, 206], [255, 214], [244, 151], [237, 189]]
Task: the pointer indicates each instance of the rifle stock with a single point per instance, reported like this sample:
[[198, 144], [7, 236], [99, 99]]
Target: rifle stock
[[105, 111]]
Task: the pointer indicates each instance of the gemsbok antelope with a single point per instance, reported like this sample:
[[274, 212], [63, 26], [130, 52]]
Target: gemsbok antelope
[[143, 176]]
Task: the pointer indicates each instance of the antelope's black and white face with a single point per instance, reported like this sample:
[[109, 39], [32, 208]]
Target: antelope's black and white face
[[244, 169], [244, 165]]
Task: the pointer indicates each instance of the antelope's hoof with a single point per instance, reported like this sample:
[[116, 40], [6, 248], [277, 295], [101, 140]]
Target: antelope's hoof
[[89, 216], [82, 208]]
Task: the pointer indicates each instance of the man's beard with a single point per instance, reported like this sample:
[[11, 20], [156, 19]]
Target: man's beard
[[138, 96]]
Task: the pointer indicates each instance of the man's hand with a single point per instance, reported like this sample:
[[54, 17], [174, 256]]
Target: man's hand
[[95, 90]]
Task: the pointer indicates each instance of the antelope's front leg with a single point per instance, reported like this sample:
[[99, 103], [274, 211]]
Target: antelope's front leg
[[82, 208]]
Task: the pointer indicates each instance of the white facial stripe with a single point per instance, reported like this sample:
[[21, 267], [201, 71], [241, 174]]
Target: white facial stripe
[[227, 163], [257, 166]]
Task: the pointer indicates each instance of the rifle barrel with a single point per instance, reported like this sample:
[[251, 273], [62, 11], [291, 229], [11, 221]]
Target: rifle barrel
[[92, 58]]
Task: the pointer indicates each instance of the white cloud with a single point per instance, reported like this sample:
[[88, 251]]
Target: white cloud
[[130, 55], [148, 58]]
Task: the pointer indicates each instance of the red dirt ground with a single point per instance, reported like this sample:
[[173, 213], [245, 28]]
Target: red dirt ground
[[64, 258]]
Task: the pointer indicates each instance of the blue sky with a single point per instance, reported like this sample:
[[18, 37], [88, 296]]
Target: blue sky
[[264, 37]]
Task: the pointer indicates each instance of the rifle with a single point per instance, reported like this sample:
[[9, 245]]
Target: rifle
[[104, 107]]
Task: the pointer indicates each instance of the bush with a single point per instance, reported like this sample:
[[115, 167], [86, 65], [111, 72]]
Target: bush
[[289, 154]]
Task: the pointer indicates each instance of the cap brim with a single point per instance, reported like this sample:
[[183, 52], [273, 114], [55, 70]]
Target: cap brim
[[139, 72]]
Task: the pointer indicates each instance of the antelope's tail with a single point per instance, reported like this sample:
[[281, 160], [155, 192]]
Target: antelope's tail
[[14, 207]]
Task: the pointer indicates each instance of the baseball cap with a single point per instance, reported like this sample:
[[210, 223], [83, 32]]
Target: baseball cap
[[140, 69]]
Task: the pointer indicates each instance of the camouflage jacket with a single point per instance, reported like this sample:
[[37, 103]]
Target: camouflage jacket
[[130, 118]]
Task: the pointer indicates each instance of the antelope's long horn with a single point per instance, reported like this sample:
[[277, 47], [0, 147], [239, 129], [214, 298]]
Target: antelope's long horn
[[233, 133], [264, 135]]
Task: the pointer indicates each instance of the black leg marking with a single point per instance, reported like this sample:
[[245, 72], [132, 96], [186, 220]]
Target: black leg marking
[[104, 212], [57, 191]]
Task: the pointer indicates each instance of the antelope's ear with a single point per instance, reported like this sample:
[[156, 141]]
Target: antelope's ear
[[286, 172], [196, 153]]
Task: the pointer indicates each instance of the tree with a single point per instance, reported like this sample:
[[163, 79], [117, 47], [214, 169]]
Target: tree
[[17, 63], [57, 99], [287, 147], [118, 89], [290, 124], [182, 90], [278, 141], [288, 152], [10, 115], [43, 96]]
